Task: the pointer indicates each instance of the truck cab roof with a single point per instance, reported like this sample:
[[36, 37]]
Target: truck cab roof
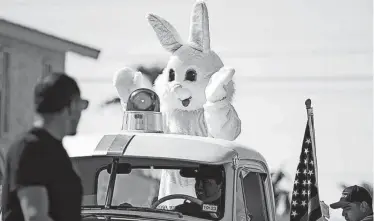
[[162, 146]]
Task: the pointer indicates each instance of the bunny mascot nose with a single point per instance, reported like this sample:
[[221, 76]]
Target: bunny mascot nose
[[180, 92]]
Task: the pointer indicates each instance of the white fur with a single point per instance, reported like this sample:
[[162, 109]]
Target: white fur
[[209, 112]]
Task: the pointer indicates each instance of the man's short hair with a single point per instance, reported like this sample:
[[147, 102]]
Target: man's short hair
[[54, 92]]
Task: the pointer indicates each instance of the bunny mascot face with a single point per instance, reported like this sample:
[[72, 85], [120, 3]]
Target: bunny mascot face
[[195, 89], [191, 66]]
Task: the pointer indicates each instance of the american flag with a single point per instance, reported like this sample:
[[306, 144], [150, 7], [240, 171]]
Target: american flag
[[305, 204]]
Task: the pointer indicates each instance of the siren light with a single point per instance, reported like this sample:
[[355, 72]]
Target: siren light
[[143, 112], [143, 99]]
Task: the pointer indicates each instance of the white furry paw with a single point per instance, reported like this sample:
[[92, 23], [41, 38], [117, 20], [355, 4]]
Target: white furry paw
[[216, 89], [126, 81]]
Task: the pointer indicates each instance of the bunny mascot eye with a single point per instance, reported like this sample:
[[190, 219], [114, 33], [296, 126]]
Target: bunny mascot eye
[[171, 75], [190, 75]]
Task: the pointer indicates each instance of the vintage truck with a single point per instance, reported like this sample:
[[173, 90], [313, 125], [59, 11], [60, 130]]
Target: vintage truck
[[120, 171]]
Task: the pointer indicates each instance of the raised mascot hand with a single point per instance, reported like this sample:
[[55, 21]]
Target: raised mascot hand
[[216, 89], [126, 81]]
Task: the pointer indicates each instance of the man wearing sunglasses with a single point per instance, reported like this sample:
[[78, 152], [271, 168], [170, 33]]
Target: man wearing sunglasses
[[40, 182]]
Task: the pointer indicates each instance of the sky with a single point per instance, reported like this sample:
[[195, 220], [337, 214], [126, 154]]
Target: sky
[[284, 51], [271, 31]]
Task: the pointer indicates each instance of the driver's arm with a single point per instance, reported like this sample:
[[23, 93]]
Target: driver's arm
[[32, 177], [181, 207], [185, 208]]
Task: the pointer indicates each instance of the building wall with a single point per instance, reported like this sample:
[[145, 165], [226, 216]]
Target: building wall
[[26, 66]]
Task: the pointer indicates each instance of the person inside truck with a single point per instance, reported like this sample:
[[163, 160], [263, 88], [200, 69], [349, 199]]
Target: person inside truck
[[209, 188]]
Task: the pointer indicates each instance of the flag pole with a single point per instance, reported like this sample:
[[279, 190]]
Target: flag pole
[[309, 109]]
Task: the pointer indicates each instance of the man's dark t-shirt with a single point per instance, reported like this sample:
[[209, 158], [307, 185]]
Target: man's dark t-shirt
[[38, 159]]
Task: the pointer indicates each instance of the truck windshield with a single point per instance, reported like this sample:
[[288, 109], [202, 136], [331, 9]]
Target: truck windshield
[[143, 188]]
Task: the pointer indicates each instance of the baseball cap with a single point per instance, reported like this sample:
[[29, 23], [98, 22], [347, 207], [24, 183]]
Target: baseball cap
[[54, 92], [210, 172], [204, 172], [353, 194]]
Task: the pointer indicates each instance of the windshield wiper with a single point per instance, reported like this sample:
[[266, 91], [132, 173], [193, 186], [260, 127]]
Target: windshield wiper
[[143, 209]]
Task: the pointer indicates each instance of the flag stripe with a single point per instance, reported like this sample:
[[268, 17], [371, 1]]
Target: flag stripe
[[315, 214], [313, 204], [305, 204], [313, 209]]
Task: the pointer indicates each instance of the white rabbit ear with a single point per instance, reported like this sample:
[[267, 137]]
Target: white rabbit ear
[[199, 27], [165, 32]]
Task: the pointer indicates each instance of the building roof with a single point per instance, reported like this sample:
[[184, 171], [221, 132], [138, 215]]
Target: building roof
[[166, 146], [36, 37]]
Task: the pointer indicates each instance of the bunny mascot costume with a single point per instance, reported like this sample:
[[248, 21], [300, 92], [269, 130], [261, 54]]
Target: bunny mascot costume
[[195, 91]]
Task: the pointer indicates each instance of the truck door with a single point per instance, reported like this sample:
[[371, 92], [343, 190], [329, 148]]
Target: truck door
[[252, 187], [2, 171], [242, 213]]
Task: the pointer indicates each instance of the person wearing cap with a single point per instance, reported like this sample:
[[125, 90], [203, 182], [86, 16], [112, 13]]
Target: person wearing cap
[[208, 188], [357, 204], [40, 182]]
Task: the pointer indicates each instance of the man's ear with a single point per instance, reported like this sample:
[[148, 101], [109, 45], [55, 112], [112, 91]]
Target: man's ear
[[364, 206], [68, 109]]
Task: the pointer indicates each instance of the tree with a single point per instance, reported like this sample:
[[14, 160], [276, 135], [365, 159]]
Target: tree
[[281, 196]]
